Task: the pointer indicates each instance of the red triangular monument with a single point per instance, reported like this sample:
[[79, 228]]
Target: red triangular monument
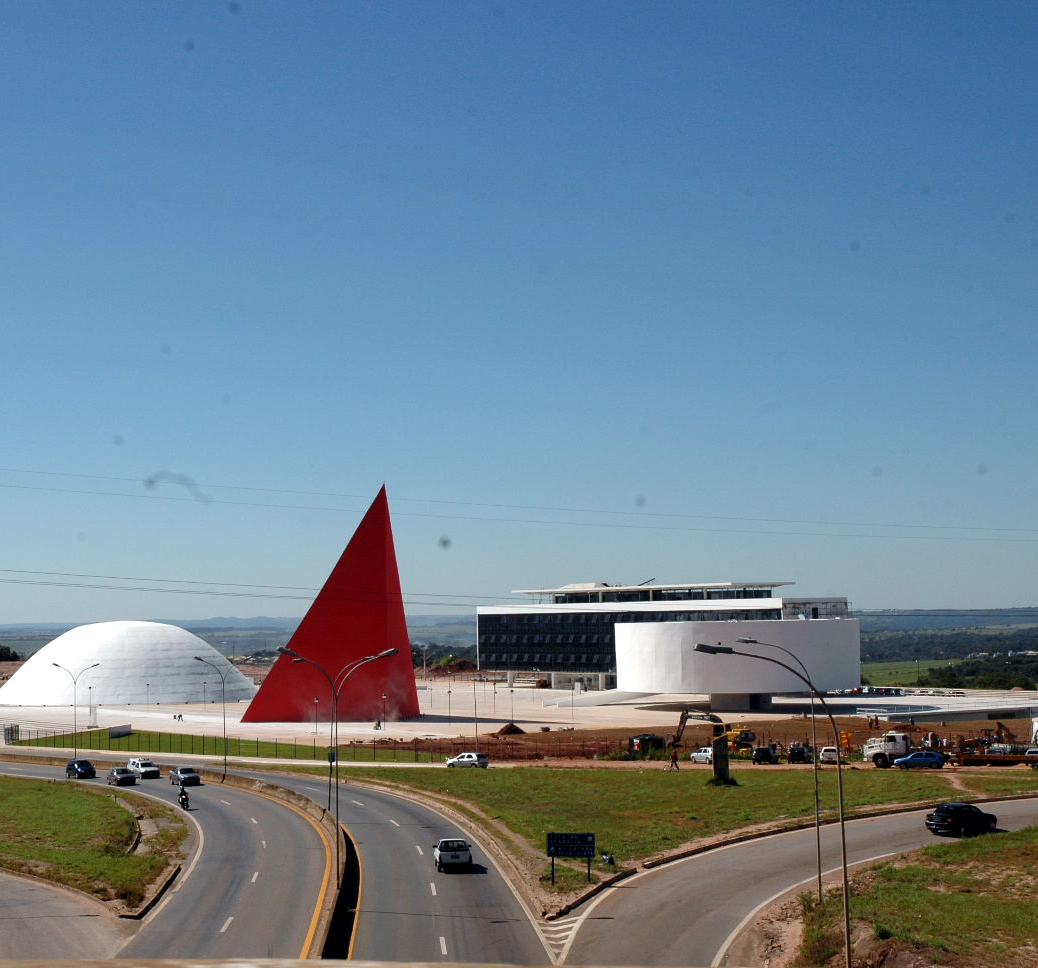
[[359, 612]]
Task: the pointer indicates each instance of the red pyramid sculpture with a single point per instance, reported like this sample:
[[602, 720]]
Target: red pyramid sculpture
[[359, 612]]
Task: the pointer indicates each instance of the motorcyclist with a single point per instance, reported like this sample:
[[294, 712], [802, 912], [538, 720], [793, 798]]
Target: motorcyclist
[[182, 797]]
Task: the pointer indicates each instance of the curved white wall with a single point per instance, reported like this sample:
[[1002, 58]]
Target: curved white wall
[[137, 662], [661, 657]]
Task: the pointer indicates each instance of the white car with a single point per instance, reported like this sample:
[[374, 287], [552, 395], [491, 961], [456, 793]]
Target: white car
[[705, 754], [469, 759], [142, 769], [453, 852], [828, 755]]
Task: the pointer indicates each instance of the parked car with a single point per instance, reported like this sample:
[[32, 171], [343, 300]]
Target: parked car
[[705, 754], [763, 754], [451, 851], [959, 819], [829, 755], [469, 759], [80, 770], [185, 776], [920, 759], [798, 754], [121, 776], [144, 769]]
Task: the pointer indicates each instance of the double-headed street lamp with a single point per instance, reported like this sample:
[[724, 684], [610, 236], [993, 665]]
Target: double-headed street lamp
[[335, 684], [728, 650], [75, 722], [223, 699], [814, 754]]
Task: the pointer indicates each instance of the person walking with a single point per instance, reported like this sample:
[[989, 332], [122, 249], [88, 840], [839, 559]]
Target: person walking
[[673, 759]]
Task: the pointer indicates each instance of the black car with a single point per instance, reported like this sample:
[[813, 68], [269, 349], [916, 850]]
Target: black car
[[763, 754], [80, 770], [799, 754], [959, 819]]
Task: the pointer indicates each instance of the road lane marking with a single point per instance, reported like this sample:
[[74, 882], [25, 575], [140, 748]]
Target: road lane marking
[[443, 945], [359, 804], [226, 803], [393, 822], [264, 844], [226, 924], [432, 887], [254, 820], [255, 876], [420, 851]]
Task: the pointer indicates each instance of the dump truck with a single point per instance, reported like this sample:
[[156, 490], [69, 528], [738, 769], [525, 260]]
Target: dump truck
[[883, 750]]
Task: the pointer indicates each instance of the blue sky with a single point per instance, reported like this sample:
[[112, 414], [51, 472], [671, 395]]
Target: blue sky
[[601, 291]]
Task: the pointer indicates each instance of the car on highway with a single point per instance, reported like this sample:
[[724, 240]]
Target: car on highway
[[829, 755], [185, 776], [920, 759], [469, 759], [144, 769], [80, 770], [453, 852], [705, 754], [960, 819], [121, 776]]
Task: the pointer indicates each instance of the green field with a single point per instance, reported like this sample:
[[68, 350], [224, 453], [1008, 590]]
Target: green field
[[900, 673]]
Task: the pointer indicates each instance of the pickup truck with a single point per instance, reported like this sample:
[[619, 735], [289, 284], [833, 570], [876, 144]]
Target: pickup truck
[[469, 759], [451, 851], [142, 769]]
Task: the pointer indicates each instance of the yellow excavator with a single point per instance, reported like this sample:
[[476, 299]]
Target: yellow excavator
[[738, 739]]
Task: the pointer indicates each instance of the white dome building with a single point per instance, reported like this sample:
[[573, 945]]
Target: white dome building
[[116, 663]]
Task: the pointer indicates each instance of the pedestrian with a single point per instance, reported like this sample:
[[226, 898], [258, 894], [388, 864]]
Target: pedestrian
[[673, 759]]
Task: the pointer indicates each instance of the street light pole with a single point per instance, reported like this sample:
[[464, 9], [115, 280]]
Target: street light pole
[[75, 720], [814, 756], [223, 700], [336, 685], [728, 650]]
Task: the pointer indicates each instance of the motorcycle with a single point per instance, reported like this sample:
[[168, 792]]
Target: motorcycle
[[183, 799]]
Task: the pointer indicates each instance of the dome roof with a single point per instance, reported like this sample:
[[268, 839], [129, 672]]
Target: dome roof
[[136, 662]]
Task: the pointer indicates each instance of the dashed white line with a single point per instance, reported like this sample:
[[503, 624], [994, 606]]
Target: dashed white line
[[359, 804], [254, 820], [263, 843], [226, 924], [432, 887], [254, 876], [421, 852], [393, 822], [443, 945], [226, 803]]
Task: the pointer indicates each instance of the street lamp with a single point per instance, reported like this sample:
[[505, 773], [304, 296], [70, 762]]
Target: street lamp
[[336, 684], [223, 699], [75, 724], [728, 650], [475, 713], [814, 755], [147, 694], [511, 690], [316, 700]]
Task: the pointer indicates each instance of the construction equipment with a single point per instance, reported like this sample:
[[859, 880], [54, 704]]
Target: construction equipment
[[738, 739]]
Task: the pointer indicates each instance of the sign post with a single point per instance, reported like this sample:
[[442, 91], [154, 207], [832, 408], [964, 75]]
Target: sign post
[[571, 845]]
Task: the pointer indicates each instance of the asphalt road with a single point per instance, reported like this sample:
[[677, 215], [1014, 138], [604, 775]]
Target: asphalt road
[[408, 911], [251, 889], [687, 912]]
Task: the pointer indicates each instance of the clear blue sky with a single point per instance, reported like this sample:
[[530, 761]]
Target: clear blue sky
[[685, 291]]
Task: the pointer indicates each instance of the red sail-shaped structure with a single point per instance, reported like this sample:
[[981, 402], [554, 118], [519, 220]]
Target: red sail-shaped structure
[[359, 612]]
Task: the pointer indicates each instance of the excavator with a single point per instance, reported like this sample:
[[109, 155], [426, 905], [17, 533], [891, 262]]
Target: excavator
[[738, 739]]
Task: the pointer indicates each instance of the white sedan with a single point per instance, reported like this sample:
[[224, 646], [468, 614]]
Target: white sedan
[[705, 754]]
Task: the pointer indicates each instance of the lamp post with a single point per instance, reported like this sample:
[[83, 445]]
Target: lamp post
[[511, 690], [475, 713], [223, 699], [75, 722], [336, 684], [814, 755], [728, 650], [147, 694], [315, 715], [448, 700]]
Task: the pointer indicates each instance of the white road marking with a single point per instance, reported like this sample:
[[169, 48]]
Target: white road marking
[[254, 876], [393, 822], [359, 804], [420, 851], [443, 945], [264, 844], [226, 924], [432, 887], [226, 803], [254, 820]]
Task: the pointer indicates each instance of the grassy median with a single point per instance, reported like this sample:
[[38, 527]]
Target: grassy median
[[84, 838]]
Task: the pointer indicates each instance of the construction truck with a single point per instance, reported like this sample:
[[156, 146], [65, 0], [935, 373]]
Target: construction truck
[[737, 739], [883, 750]]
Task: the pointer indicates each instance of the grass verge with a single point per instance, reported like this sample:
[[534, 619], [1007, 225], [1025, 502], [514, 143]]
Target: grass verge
[[70, 834], [963, 903]]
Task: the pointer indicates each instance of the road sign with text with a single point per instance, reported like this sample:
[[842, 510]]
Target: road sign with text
[[571, 845]]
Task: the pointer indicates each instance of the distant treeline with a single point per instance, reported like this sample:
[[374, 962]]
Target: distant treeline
[[945, 643], [994, 672]]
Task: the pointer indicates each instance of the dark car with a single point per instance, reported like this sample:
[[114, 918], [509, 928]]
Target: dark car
[[960, 819], [763, 754], [799, 754], [185, 776], [121, 776], [921, 759], [80, 770]]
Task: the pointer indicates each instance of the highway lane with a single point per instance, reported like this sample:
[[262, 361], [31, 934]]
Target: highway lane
[[685, 913], [251, 889], [410, 912]]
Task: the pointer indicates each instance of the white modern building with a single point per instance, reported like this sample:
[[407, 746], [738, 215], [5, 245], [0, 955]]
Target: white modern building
[[119, 663], [642, 638]]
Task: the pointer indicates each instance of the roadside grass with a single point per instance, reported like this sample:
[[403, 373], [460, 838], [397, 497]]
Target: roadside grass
[[73, 835], [967, 902], [636, 814], [997, 782], [902, 673]]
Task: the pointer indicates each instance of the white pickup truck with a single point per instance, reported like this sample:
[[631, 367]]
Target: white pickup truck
[[469, 759], [451, 851], [142, 769]]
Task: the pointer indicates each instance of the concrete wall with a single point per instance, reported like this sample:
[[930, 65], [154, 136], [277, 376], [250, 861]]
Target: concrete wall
[[660, 656]]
